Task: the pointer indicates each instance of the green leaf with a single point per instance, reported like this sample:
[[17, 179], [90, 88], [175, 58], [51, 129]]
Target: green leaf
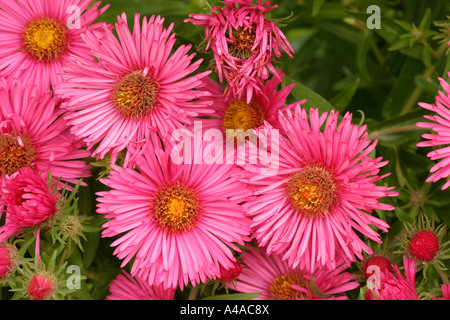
[[403, 89], [401, 43], [361, 55], [341, 101], [426, 55], [315, 100], [362, 293], [234, 296], [93, 239], [403, 215], [395, 131], [426, 20], [408, 119], [342, 31], [443, 214], [426, 84], [331, 11], [316, 6], [405, 25]]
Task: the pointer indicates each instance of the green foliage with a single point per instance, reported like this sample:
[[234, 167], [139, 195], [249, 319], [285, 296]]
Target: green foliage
[[379, 75]]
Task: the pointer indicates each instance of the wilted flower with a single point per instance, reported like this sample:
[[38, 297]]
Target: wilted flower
[[244, 43]]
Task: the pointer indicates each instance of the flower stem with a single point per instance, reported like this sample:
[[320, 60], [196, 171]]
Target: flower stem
[[384, 132], [412, 101], [193, 293]]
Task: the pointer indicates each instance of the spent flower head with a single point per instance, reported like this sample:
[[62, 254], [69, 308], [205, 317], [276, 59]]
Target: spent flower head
[[245, 44]]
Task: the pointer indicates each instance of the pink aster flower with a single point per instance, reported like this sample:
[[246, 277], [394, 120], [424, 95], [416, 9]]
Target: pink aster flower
[[445, 293], [244, 44], [34, 135], [272, 276], [9, 259], [238, 114], [323, 191], [137, 86], [37, 37], [179, 222], [125, 287], [440, 125], [395, 286], [27, 201]]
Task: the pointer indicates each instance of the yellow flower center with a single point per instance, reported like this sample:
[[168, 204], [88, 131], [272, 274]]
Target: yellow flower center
[[13, 154], [176, 208], [45, 39], [135, 96], [312, 191], [281, 287], [240, 115]]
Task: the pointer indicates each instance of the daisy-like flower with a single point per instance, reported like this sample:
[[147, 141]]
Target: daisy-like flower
[[272, 276], [323, 191], [178, 222], [244, 44], [238, 114], [395, 286], [27, 201], [38, 37], [125, 287], [440, 125], [137, 85], [34, 135]]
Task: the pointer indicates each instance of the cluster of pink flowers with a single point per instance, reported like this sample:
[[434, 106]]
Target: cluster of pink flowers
[[103, 91]]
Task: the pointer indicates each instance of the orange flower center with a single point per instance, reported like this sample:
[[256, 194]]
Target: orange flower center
[[281, 287], [135, 96], [45, 39], [176, 208], [312, 191], [240, 115], [242, 43], [15, 153]]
